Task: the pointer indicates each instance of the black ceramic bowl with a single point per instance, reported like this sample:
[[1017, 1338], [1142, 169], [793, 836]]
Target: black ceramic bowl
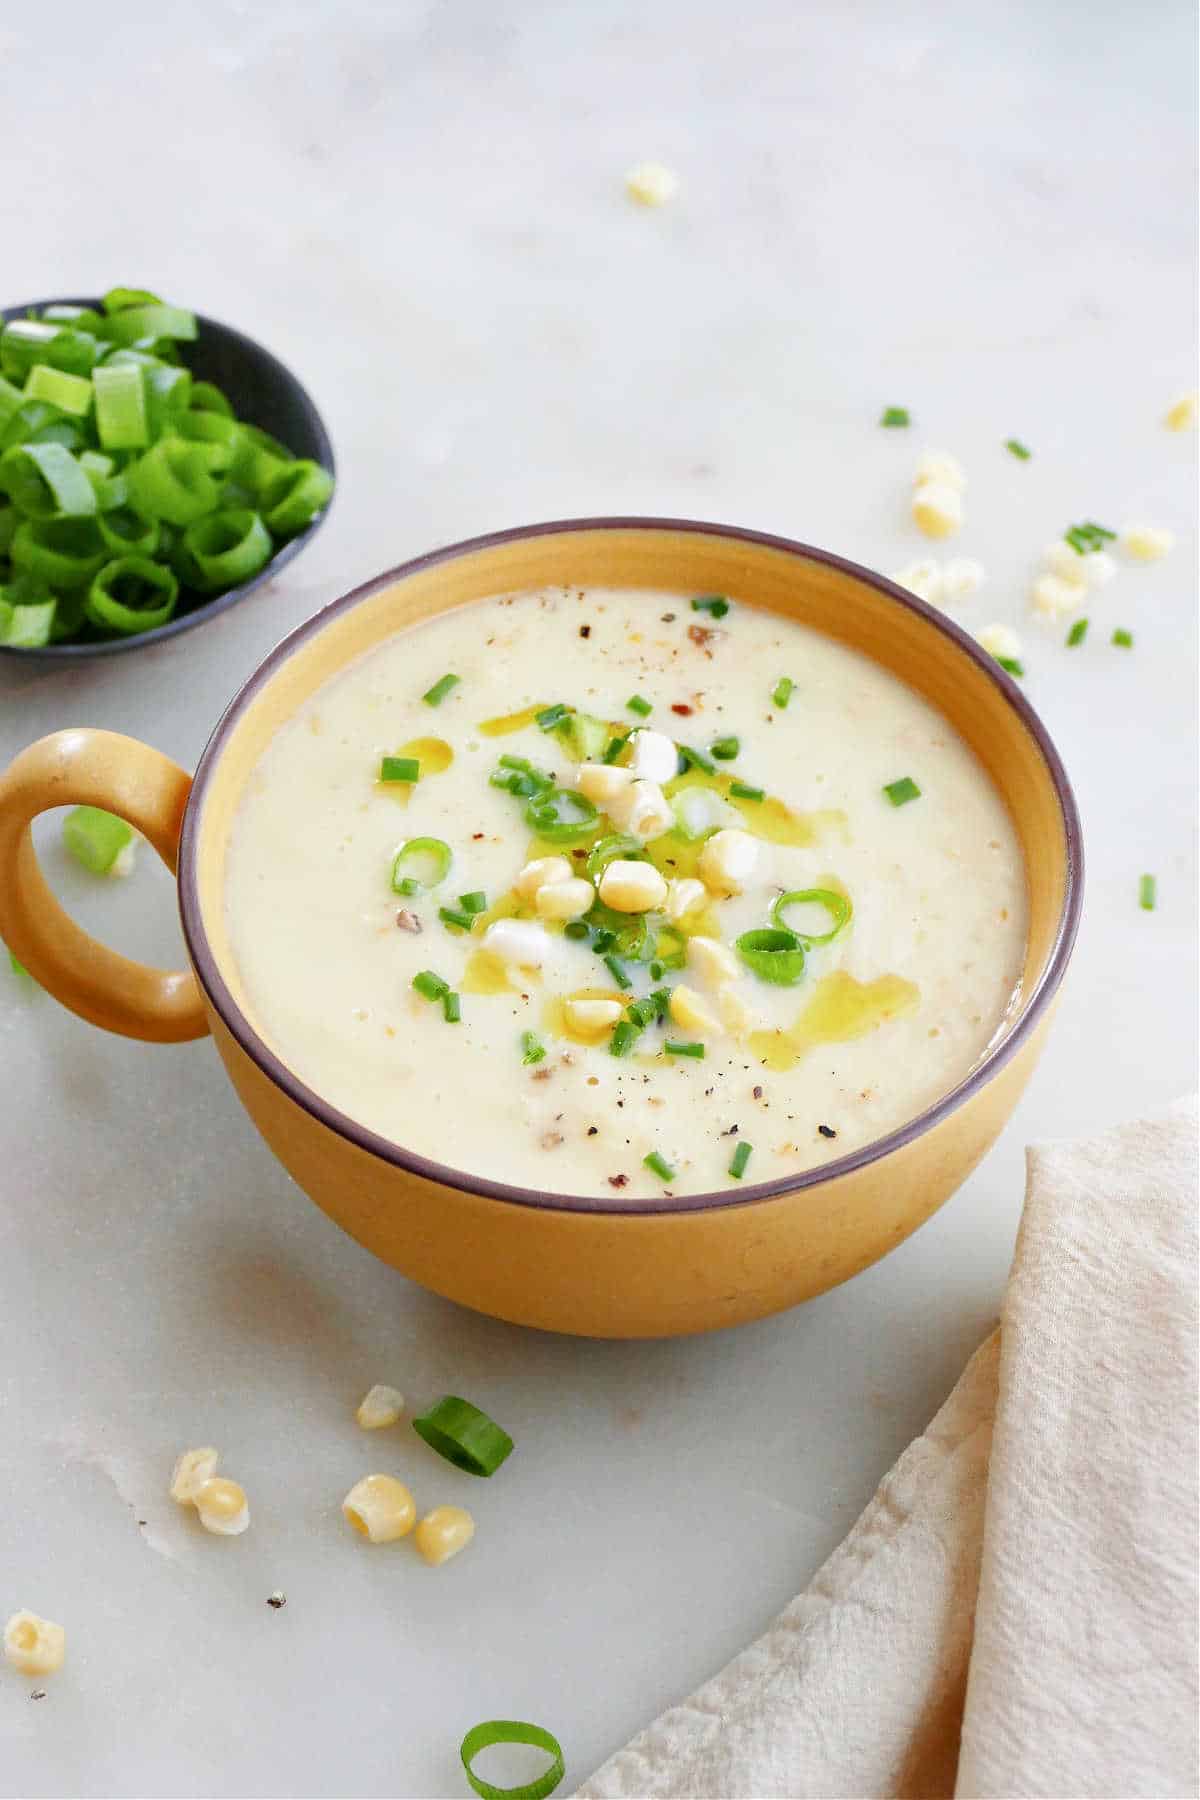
[[262, 392]]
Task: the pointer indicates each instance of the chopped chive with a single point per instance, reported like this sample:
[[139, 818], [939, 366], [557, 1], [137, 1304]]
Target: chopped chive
[[1077, 633], [521, 764], [696, 759], [741, 1157], [603, 940], [503, 778], [725, 749], [675, 1049], [1148, 893], [451, 1008], [661, 997], [643, 1012], [781, 693], [551, 716], [656, 971], [473, 903], [532, 1048], [1087, 537], [618, 972], [658, 1165], [623, 1038], [902, 791], [440, 689], [575, 928], [399, 768], [716, 604], [615, 747], [406, 886], [638, 705], [741, 790], [1012, 666], [430, 985], [466, 1437], [894, 417], [450, 915], [1099, 532], [1122, 639], [1018, 449], [95, 838]]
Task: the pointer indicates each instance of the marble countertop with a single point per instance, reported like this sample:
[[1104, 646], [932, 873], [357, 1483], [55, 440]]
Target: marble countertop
[[420, 208]]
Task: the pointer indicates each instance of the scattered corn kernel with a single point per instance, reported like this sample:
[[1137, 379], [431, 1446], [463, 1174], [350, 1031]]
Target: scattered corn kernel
[[565, 899], [924, 579], [520, 941], [712, 961], [443, 1532], [643, 810], [602, 782], [939, 466], [1000, 640], [222, 1506], [542, 872], [380, 1508], [34, 1646], [193, 1468], [937, 508], [1099, 567], [1147, 543], [961, 577], [1054, 598], [736, 1016], [655, 757], [688, 1009], [651, 184], [682, 895], [630, 887], [592, 1015], [379, 1407], [728, 860], [1182, 416]]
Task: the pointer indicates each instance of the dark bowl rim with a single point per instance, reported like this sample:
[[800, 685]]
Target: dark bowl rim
[[248, 1040], [199, 615]]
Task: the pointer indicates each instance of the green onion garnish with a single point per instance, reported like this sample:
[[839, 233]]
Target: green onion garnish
[[429, 985], [894, 417], [1077, 633], [132, 594], [522, 764], [638, 705], [1122, 639], [1011, 666], [17, 966], [615, 747], [661, 996], [902, 791], [725, 749], [773, 953], [656, 971], [452, 916], [95, 839], [658, 1165], [643, 1012], [617, 971], [741, 1157], [618, 843], [451, 1008], [561, 816], [513, 1731], [836, 905], [575, 928], [782, 692], [532, 1048], [551, 716], [475, 902], [673, 1048], [624, 1037], [1087, 537], [714, 604], [1148, 893], [400, 768], [741, 790], [1017, 449], [419, 864], [440, 689], [465, 1436], [696, 759]]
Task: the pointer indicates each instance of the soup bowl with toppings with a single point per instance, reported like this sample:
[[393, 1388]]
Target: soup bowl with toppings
[[623, 927]]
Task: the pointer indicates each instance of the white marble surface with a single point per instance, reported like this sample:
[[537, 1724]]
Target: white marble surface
[[981, 212]]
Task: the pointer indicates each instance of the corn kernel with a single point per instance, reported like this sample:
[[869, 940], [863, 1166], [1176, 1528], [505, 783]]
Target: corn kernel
[[193, 1468], [565, 899], [655, 757], [924, 579], [1054, 598], [643, 810], [728, 860], [540, 873], [712, 961], [519, 941], [630, 887], [379, 1407], [940, 466], [380, 1508], [937, 508], [1147, 543], [961, 577], [443, 1532], [592, 1015], [34, 1646], [682, 895], [688, 1009], [736, 1016], [651, 184], [1099, 568], [1000, 640], [1182, 416], [602, 782], [222, 1506]]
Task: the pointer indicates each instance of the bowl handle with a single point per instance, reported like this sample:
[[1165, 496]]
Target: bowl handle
[[93, 768]]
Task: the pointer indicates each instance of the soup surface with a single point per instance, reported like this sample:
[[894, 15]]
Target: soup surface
[[643, 991]]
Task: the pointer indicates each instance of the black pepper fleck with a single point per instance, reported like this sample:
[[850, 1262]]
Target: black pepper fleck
[[38, 1694], [618, 1181], [592, 1130], [826, 1131], [277, 1599], [585, 631], [668, 618], [758, 1093]]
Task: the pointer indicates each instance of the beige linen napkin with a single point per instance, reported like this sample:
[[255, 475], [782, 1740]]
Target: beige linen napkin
[[1015, 1612]]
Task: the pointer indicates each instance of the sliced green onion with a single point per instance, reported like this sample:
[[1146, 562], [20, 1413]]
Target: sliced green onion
[[61, 554], [70, 393], [513, 1731], [635, 703], [259, 459], [741, 1157], [205, 397], [211, 433], [429, 985], [624, 1037], [661, 997], [95, 838], [419, 864], [626, 933], [583, 736], [1018, 449], [15, 963], [121, 421], [1077, 633], [894, 417], [575, 928], [902, 791], [603, 852], [29, 626], [465, 1436], [451, 1008], [836, 905], [1122, 639], [118, 299], [10, 518], [36, 422], [725, 749], [399, 768], [658, 1165], [151, 319], [437, 693], [696, 759], [550, 716], [741, 790], [127, 533], [1148, 893], [451, 915], [675, 1049], [1088, 537], [25, 342], [618, 972], [131, 594], [11, 401], [171, 481], [670, 946], [773, 953], [45, 482], [615, 747], [561, 816], [1012, 666], [227, 548], [532, 1048], [642, 1012], [96, 466], [782, 692], [79, 318], [293, 498], [715, 604], [475, 902]]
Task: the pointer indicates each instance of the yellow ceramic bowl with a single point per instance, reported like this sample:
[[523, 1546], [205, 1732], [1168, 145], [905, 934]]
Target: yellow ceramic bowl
[[592, 1266]]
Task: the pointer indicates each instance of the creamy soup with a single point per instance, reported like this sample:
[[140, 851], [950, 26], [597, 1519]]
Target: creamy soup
[[535, 922]]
